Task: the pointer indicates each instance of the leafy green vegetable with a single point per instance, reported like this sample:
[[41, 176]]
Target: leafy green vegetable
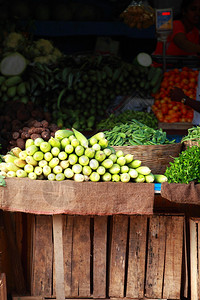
[[136, 133], [148, 119], [186, 167]]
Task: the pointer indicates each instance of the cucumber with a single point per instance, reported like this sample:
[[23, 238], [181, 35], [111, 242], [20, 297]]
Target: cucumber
[[21, 89], [157, 86], [151, 73], [13, 64], [156, 77], [11, 91], [13, 80], [144, 59]]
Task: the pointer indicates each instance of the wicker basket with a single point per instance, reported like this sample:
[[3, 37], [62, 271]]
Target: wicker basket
[[156, 157], [190, 143]]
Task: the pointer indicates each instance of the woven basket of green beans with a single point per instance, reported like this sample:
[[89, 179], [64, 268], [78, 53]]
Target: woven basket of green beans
[[192, 138]]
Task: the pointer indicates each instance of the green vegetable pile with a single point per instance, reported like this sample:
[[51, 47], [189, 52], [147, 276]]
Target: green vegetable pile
[[135, 133], [186, 167], [70, 155], [148, 119], [193, 134]]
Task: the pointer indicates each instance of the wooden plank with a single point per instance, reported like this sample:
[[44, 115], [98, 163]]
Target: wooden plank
[[118, 256], [81, 257], [58, 254], [68, 246], [136, 257], [155, 257], [17, 270], [28, 298], [193, 260], [99, 257], [173, 257], [3, 288], [41, 283]]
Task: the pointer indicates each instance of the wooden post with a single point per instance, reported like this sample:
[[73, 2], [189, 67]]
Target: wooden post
[[58, 253]]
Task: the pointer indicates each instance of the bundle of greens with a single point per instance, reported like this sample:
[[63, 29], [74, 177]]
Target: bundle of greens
[[135, 133], [186, 167]]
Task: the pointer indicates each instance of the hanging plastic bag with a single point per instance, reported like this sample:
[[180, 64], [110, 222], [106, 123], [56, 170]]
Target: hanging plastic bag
[[138, 14]]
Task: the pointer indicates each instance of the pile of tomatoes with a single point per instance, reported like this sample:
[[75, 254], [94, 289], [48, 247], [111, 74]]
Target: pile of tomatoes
[[170, 111]]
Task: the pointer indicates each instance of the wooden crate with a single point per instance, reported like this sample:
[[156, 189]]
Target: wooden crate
[[3, 289], [108, 257], [195, 258]]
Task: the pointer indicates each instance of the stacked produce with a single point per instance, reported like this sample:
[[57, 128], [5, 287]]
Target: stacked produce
[[186, 167], [40, 50], [70, 155], [14, 116], [78, 89], [32, 129], [113, 120], [168, 111], [13, 88], [136, 133]]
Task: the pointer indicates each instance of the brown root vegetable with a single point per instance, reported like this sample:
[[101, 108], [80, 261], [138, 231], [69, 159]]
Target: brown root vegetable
[[37, 124], [53, 127], [25, 129], [15, 135], [45, 123], [13, 142], [35, 130], [46, 135], [21, 143], [35, 136], [25, 135]]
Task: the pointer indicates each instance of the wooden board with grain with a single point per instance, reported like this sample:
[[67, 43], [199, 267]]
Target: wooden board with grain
[[3, 288], [118, 256], [100, 256], [58, 256], [14, 254], [81, 257], [42, 261], [194, 253], [67, 250], [136, 257], [155, 257], [173, 257]]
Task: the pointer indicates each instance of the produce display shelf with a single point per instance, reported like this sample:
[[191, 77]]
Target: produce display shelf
[[70, 28], [175, 126]]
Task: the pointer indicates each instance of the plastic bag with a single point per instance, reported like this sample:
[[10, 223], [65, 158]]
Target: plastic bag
[[138, 14]]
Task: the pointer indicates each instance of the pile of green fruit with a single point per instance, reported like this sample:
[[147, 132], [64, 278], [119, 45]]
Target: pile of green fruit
[[13, 88], [70, 155]]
